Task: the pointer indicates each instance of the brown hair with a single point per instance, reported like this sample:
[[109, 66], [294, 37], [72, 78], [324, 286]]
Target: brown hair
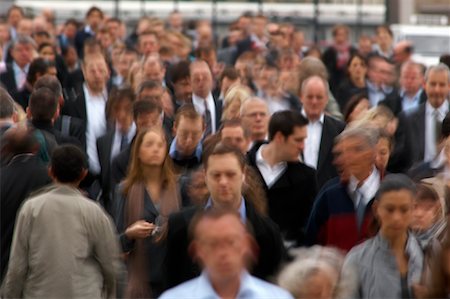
[[116, 96], [187, 111]]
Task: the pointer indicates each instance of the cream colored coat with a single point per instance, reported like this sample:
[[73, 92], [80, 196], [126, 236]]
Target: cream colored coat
[[64, 246]]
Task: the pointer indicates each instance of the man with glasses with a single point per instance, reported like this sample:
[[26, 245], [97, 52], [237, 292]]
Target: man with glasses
[[255, 119]]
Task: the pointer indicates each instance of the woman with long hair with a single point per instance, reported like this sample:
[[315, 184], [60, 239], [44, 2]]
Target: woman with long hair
[[149, 194], [389, 264]]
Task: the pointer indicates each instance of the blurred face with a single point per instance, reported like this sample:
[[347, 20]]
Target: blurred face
[[4, 33], [357, 69], [232, 109], [96, 74], [126, 60], [151, 94], [255, 119], [52, 71], [183, 90], [222, 245], [359, 110], [294, 144], [234, 136], [383, 152], [71, 56], [197, 191], [259, 26], [437, 88], [201, 80], [314, 98], [394, 211], [22, 54], [148, 44], [25, 27], [114, 29], [224, 178], [384, 39], [47, 53], [188, 133], [358, 156], [14, 17], [70, 30], [341, 36], [94, 19], [411, 79], [176, 21], [319, 286], [425, 214], [124, 114], [153, 71], [152, 151], [227, 83], [148, 120], [364, 46]]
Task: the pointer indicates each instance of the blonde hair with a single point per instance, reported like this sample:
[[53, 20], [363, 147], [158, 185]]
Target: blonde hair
[[236, 93]]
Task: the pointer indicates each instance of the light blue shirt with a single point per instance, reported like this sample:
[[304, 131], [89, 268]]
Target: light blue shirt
[[250, 287], [242, 209], [410, 103], [20, 75], [174, 154]]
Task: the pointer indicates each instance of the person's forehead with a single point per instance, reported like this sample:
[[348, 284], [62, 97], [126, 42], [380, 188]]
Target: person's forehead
[[216, 162], [256, 106], [233, 131], [438, 75], [213, 228], [315, 85]]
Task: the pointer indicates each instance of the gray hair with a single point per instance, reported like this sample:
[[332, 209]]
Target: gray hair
[[309, 261], [250, 100], [440, 68], [23, 40], [7, 107], [368, 134]]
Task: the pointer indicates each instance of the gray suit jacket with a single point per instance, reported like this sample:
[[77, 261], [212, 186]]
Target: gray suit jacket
[[64, 246]]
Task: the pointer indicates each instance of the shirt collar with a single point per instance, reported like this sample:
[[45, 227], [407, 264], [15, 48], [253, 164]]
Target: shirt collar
[[17, 68], [173, 152], [369, 187], [320, 120], [415, 97], [88, 94], [443, 109], [242, 209], [206, 290], [131, 131], [260, 159]]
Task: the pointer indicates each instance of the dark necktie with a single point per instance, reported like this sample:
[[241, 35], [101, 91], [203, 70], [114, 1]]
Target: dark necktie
[[123, 142], [207, 118]]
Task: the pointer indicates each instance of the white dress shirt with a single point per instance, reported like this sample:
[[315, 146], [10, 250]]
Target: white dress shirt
[[269, 173], [312, 142], [96, 125], [199, 104], [368, 189], [430, 128], [118, 138]]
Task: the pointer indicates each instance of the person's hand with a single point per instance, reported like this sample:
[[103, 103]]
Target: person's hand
[[420, 291], [139, 230]]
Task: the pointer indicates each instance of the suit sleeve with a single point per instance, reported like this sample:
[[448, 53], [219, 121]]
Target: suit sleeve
[[317, 221], [18, 263]]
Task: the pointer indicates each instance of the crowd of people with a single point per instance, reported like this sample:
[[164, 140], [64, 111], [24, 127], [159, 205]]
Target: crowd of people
[[168, 162]]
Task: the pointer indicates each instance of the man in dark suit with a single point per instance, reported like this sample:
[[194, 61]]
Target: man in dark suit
[[425, 123], [94, 17], [24, 173], [224, 177], [322, 129], [289, 184], [14, 77], [202, 97], [411, 94]]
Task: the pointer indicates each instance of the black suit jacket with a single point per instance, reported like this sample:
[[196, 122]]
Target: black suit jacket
[[181, 267], [415, 121], [325, 168], [23, 175], [9, 81], [104, 148], [290, 198]]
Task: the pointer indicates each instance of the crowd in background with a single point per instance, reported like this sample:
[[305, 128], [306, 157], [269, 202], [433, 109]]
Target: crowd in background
[[336, 159]]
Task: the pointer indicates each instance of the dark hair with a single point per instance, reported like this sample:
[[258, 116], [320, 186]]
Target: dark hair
[[285, 122], [37, 66], [116, 96], [140, 107], [386, 28], [231, 123], [187, 111], [73, 22], [179, 71], [425, 192], [356, 55], [445, 59], [51, 82], [395, 182], [230, 73], [94, 9], [7, 108], [44, 45], [41, 34], [16, 141], [68, 163], [15, 7], [352, 103], [43, 104], [445, 129], [148, 84], [221, 149]]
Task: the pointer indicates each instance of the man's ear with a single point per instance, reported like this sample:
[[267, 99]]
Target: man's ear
[[375, 206], [83, 174], [28, 112]]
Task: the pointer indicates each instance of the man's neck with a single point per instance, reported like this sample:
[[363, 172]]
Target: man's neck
[[227, 288], [363, 176], [94, 91], [269, 154], [411, 94], [202, 96]]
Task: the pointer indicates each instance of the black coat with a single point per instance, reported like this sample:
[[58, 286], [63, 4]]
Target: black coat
[[104, 148], [394, 101], [290, 198], [325, 168], [24, 174], [181, 267], [8, 80]]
